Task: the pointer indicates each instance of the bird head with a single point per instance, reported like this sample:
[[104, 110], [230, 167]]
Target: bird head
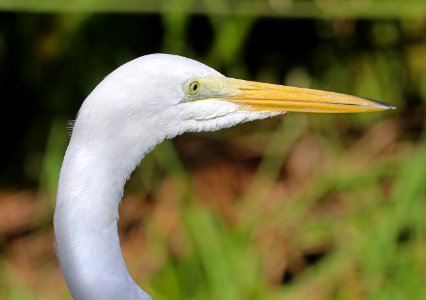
[[165, 95], [133, 109]]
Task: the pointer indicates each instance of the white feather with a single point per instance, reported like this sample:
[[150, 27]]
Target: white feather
[[127, 114]]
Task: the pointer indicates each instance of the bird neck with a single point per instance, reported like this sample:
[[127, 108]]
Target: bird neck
[[89, 192]]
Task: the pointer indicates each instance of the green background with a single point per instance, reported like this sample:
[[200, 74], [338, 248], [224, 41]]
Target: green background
[[298, 207]]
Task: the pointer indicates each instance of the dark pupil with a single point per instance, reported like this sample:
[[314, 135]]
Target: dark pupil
[[194, 87]]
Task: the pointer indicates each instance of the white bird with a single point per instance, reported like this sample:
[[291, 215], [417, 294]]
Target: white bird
[[137, 106]]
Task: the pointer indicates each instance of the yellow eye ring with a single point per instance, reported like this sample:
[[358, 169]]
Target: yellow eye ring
[[194, 87]]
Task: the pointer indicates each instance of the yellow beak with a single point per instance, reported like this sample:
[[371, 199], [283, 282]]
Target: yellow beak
[[278, 98]]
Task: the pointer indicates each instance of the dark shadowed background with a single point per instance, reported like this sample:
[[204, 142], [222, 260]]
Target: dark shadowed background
[[303, 206]]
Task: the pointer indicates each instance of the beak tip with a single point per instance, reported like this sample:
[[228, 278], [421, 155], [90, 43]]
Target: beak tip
[[381, 105], [387, 107]]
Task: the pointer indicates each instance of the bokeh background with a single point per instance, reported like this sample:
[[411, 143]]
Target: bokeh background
[[298, 207]]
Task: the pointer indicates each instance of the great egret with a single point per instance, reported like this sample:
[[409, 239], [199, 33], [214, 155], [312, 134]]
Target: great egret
[[137, 106]]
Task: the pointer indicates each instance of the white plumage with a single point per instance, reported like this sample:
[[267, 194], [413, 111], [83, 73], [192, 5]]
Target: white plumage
[[133, 109]]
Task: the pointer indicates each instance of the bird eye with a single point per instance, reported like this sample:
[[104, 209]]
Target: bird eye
[[194, 87]]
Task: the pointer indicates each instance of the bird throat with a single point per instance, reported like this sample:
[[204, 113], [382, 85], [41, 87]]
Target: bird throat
[[89, 192]]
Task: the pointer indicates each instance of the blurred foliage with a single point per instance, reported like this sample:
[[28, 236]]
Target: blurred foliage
[[301, 207]]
